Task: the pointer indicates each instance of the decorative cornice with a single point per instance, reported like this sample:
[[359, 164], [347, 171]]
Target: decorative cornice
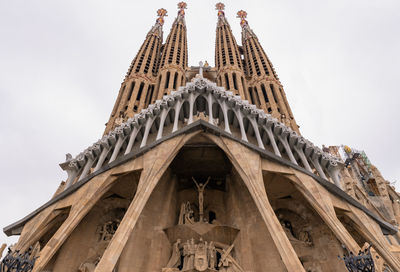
[[281, 137]]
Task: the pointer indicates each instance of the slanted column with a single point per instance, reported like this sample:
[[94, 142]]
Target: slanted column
[[317, 165], [120, 141], [224, 108], [132, 138], [178, 106], [241, 125], [272, 140], [149, 123], [303, 158], [155, 163], [334, 170], [72, 171], [87, 167], [106, 148], [163, 115], [248, 165], [256, 132]]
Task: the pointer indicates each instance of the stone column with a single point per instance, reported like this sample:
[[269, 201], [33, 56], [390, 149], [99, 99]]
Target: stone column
[[248, 164]]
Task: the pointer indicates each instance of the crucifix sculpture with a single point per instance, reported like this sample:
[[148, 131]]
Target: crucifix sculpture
[[200, 188]]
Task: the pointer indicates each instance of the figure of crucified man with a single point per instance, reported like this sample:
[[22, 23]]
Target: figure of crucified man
[[200, 188]]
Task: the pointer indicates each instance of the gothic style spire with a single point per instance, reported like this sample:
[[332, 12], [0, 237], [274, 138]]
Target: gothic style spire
[[137, 89], [174, 58], [265, 89], [228, 62]]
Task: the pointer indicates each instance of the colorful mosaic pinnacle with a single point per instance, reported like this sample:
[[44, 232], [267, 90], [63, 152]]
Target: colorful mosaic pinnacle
[[161, 14], [182, 6], [242, 15], [220, 7]]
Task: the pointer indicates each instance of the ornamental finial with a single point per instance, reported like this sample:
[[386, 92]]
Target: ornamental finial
[[161, 14], [182, 6], [220, 7], [242, 15]]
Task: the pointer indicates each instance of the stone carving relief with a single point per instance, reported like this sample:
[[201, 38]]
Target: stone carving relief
[[105, 231], [186, 215], [302, 236], [198, 245], [201, 256]]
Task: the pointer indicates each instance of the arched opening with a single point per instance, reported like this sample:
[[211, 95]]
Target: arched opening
[[175, 80], [87, 243], [235, 85], [313, 241], [227, 82], [167, 80]]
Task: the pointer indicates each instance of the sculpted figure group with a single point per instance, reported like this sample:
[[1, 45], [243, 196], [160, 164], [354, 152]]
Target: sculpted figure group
[[201, 256]]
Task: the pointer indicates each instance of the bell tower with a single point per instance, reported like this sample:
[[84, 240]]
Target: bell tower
[[174, 59], [228, 62], [137, 88], [265, 89]]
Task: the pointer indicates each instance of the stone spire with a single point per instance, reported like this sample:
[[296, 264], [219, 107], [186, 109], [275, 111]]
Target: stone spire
[[174, 58], [228, 62], [265, 89], [138, 87]]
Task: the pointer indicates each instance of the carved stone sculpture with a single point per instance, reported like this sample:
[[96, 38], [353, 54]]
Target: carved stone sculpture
[[200, 188], [175, 259], [212, 255], [186, 214]]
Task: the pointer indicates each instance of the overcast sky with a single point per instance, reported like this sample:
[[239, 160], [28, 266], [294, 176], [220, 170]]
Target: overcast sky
[[62, 62]]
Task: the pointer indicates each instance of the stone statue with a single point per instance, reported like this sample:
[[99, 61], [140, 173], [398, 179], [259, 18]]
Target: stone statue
[[189, 250], [212, 255], [186, 214], [200, 188], [201, 256], [185, 256], [175, 259]]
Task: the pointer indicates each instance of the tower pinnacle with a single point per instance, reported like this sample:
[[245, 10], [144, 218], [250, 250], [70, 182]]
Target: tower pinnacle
[[182, 6], [265, 89], [161, 14]]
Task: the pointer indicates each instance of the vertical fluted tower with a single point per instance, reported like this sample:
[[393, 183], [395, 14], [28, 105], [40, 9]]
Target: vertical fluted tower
[[137, 89], [174, 59], [265, 89], [228, 61]]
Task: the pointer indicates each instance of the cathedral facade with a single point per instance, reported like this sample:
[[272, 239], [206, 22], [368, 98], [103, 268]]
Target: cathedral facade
[[204, 168]]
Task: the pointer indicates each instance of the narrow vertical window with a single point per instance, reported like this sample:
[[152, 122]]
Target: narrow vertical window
[[175, 80], [264, 93], [256, 95], [167, 80], [251, 95], [140, 91], [227, 81], [235, 82]]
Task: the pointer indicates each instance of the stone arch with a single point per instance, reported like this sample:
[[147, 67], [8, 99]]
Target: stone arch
[[313, 241], [86, 244]]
